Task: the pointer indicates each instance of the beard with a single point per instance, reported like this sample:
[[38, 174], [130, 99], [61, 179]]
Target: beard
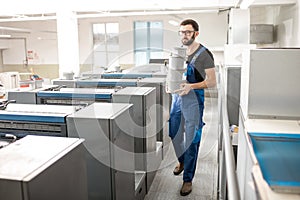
[[187, 42]]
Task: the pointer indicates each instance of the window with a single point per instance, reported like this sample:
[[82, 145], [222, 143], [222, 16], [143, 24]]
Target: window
[[148, 41], [106, 44]]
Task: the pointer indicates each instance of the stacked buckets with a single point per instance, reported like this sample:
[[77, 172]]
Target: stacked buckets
[[176, 69]]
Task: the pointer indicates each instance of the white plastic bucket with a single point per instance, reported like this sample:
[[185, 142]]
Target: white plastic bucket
[[175, 75], [176, 62], [174, 85], [68, 75], [180, 52], [176, 69], [38, 83], [174, 79]]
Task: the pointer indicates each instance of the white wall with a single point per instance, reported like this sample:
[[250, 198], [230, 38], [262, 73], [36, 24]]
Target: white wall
[[40, 37], [288, 23], [213, 30], [3, 43], [43, 40], [286, 20]]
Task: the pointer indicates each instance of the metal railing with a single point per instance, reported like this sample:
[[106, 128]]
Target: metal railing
[[228, 185]]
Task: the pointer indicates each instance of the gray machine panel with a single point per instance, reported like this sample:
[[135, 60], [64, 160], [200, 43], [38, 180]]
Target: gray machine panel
[[233, 94], [163, 100], [109, 148], [106, 83], [22, 96], [64, 82], [41, 167], [144, 117], [274, 83], [28, 97]]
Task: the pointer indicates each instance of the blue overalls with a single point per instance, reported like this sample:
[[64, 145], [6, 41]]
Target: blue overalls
[[186, 116]]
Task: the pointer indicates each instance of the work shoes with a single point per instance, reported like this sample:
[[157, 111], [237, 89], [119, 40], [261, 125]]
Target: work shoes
[[178, 169], [186, 188]]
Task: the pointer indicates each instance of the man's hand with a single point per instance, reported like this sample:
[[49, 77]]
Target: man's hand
[[167, 89], [185, 88]]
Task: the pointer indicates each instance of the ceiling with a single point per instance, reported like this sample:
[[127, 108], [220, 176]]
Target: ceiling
[[30, 10], [20, 10]]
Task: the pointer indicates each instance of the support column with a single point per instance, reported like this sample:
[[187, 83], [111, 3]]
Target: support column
[[68, 43]]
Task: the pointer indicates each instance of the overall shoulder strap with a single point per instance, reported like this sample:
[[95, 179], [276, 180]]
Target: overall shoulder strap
[[197, 54]]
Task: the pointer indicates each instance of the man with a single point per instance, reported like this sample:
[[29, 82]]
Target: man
[[185, 123]]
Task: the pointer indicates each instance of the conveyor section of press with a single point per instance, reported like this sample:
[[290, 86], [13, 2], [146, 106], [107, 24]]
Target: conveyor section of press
[[267, 160], [75, 96], [106, 83], [156, 70], [23, 119], [125, 76], [281, 172]]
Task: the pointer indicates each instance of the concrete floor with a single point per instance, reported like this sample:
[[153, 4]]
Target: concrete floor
[[167, 186]]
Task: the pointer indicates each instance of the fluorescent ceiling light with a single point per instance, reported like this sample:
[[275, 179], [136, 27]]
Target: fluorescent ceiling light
[[174, 23], [5, 36], [140, 13], [246, 4]]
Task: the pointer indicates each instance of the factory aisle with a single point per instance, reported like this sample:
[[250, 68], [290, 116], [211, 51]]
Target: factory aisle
[[167, 186]]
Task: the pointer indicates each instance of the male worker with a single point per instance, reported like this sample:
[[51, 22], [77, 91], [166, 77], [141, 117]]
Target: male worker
[[188, 104]]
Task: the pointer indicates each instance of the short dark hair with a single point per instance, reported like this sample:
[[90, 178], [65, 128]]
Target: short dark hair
[[191, 22]]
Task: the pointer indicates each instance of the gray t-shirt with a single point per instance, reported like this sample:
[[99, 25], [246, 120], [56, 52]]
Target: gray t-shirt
[[204, 61]]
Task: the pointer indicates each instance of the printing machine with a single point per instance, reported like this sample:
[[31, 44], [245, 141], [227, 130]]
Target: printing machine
[[269, 131], [153, 78], [147, 150], [109, 149], [162, 99], [109, 141], [21, 96], [43, 167], [24, 119]]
